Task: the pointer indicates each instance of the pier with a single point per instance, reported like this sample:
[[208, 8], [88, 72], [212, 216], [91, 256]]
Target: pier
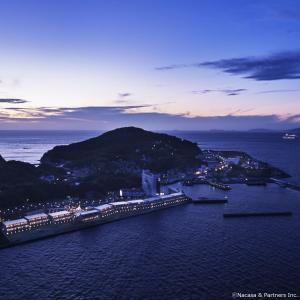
[[286, 184], [257, 214], [220, 186]]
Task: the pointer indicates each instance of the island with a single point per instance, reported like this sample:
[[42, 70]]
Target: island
[[115, 175], [103, 165], [95, 167]]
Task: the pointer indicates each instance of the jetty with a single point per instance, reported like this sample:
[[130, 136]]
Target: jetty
[[286, 184], [256, 214], [220, 186]]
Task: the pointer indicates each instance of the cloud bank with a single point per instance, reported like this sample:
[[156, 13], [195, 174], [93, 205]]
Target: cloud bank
[[105, 118], [228, 92], [283, 65], [12, 101]]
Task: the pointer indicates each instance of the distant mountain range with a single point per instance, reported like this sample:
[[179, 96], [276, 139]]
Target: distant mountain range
[[294, 130], [262, 130]]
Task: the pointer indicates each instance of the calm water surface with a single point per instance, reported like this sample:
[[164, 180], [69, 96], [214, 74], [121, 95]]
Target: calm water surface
[[186, 252], [29, 146]]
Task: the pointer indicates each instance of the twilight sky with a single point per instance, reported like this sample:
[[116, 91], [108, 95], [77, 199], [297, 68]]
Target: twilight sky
[[203, 64]]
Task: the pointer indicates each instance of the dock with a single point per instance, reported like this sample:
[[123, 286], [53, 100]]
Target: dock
[[257, 214], [286, 184]]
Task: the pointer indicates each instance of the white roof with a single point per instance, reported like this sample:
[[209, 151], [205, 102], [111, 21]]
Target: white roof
[[59, 213], [36, 216], [135, 201], [103, 206], [119, 203], [172, 195], [83, 213], [164, 197], [15, 222]]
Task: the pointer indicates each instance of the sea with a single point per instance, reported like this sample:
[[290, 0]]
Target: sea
[[186, 252]]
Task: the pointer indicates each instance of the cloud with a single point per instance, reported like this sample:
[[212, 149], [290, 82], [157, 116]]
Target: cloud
[[172, 67], [123, 98], [284, 65], [12, 101], [124, 95], [228, 92], [105, 118], [64, 113], [240, 111], [287, 15], [279, 91]]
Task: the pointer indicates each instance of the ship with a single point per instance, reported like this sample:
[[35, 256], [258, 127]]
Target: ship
[[220, 186], [42, 225], [289, 136]]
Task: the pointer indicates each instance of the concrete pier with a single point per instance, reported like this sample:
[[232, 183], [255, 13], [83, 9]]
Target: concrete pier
[[257, 214]]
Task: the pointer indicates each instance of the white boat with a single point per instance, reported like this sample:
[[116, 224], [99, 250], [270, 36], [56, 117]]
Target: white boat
[[289, 136]]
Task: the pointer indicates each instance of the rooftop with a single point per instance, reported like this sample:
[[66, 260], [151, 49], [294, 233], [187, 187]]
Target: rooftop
[[119, 203], [59, 213], [157, 198], [135, 201], [15, 222], [36, 216], [88, 212], [103, 206]]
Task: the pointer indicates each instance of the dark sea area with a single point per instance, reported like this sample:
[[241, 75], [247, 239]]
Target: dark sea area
[[185, 252]]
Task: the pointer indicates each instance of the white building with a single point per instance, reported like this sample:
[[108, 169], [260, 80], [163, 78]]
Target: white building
[[150, 183]]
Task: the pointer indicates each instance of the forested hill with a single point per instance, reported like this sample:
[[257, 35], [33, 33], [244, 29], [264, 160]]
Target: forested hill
[[129, 145]]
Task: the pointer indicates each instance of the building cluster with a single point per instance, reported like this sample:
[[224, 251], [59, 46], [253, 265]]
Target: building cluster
[[218, 165], [93, 215]]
